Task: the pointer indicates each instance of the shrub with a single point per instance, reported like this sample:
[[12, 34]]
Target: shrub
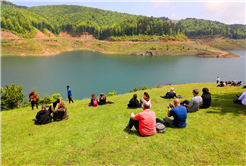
[[11, 96], [131, 91], [56, 96], [135, 89], [152, 48], [55, 40], [143, 88], [46, 100], [111, 93], [159, 86]]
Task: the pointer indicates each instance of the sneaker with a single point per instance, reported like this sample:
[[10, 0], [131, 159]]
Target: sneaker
[[34, 119], [171, 105]]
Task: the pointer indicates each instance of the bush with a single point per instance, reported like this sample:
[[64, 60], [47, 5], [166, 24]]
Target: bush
[[55, 97], [135, 89], [11, 96], [143, 88], [111, 93], [131, 91], [159, 86], [46, 100]]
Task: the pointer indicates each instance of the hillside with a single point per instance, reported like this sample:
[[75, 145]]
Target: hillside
[[97, 135]]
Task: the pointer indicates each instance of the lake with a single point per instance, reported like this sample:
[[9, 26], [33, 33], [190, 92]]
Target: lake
[[89, 72]]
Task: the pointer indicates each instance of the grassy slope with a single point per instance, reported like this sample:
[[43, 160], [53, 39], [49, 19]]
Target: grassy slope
[[96, 135], [51, 47]]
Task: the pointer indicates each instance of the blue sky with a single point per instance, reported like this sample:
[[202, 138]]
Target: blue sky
[[229, 12]]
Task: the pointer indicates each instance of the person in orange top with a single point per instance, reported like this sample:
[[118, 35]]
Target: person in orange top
[[144, 122]]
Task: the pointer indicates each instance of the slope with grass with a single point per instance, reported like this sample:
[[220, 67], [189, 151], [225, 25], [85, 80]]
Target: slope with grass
[[96, 135]]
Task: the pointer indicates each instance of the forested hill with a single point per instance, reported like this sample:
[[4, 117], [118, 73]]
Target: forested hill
[[102, 23], [25, 22], [198, 27]]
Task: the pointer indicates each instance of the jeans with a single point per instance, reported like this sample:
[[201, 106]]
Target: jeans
[[168, 121], [70, 98], [34, 103]]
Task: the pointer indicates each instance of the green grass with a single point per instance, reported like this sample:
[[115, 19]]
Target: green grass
[[96, 135]]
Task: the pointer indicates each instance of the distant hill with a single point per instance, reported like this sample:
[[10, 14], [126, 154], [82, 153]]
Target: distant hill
[[25, 22]]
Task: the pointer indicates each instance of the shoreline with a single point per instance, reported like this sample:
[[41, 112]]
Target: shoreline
[[50, 47]]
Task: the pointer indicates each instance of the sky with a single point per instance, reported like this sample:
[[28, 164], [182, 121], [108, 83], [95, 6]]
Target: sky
[[225, 11]]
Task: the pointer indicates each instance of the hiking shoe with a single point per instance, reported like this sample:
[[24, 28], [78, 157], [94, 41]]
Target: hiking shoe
[[128, 128], [171, 105]]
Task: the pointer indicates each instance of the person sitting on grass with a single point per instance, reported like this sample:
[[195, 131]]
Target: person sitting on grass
[[102, 99], [144, 99], [194, 104], [134, 103], [179, 114], [43, 116], [93, 100], [170, 94], [241, 99], [206, 98], [60, 113], [144, 122]]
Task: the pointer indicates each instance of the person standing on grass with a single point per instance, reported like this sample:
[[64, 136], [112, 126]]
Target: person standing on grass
[[218, 80], [179, 114], [144, 122], [69, 94], [194, 104], [241, 99], [33, 99]]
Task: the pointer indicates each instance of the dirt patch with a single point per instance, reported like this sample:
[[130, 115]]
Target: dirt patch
[[8, 35], [39, 35], [51, 34], [76, 35]]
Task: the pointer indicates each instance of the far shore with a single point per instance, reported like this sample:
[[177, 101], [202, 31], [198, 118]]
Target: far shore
[[55, 46]]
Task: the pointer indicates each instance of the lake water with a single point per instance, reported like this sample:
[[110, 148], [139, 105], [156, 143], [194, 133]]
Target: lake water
[[88, 72]]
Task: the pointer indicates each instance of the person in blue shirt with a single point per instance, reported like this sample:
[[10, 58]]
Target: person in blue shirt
[[179, 114], [69, 94]]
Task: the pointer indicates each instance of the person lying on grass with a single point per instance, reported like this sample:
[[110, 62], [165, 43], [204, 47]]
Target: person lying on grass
[[134, 103], [170, 94], [194, 104], [241, 99], [60, 113], [179, 114], [144, 122]]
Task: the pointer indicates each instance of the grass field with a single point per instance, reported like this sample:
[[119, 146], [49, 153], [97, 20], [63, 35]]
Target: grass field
[[97, 135]]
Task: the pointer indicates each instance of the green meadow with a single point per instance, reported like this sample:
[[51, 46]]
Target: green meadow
[[97, 135]]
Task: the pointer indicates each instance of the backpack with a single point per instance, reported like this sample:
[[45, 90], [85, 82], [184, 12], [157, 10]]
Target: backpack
[[94, 103], [180, 96], [160, 127]]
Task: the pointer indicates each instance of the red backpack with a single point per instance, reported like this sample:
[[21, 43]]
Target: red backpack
[[94, 102]]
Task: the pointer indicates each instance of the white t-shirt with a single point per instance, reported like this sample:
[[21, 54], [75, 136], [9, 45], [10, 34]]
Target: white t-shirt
[[243, 98]]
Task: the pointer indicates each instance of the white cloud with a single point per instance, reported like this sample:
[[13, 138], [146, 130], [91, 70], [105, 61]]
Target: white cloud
[[156, 5], [227, 12], [172, 16]]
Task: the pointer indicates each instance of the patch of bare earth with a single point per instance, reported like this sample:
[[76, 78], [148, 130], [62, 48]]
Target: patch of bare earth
[[51, 34], [71, 34], [39, 35], [8, 35]]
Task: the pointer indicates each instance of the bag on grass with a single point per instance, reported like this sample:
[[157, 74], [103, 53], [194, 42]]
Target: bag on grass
[[180, 96], [160, 127], [110, 102]]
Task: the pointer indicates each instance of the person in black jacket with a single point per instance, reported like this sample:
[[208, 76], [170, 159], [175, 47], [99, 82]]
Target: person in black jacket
[[43, 116], [206, 98], [102, 99], [134, 103], [170, 94]]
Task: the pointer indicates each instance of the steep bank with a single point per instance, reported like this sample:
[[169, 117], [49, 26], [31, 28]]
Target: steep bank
[[41, 45]]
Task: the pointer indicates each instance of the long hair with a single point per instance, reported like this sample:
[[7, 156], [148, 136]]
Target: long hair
[[93, 96], [60, 105]]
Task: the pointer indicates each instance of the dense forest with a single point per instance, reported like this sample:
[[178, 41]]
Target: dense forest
[[198, 27], [25, 22]]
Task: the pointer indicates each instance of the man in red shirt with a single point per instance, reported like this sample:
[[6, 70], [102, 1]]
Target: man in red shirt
[[144, 122]]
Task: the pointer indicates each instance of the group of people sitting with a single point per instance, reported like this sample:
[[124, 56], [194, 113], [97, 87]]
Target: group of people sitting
[[231, 83], [134, 103], [146, 121], [45, 116], [101, 101]]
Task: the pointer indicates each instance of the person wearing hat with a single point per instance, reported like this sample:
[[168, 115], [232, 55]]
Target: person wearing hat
[[134, 103], [102, 99], [170, 94], [43, 116], [195, 103]]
